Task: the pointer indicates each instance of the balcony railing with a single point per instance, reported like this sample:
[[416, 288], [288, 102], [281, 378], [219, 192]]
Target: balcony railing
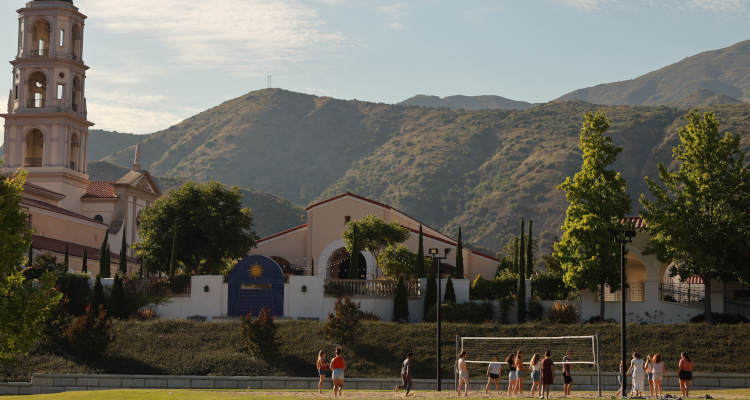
[[75, 57], [683, 293], [39, 53], [634, 293], [73, 165], [362, 287], [34, 162], [36, 103]]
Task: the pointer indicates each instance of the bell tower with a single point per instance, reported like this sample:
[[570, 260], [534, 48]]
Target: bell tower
[[46, 129]]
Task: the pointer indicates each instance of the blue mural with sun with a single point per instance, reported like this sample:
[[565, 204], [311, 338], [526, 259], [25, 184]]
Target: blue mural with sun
[[256, 282]]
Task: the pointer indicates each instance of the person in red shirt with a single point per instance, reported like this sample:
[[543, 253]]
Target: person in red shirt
[[548, 373], [685, 373], [338, 366]]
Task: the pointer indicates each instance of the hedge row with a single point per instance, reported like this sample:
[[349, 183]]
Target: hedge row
[[179, 347]]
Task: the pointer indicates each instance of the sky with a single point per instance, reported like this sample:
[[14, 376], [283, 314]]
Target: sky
[[154, 63]]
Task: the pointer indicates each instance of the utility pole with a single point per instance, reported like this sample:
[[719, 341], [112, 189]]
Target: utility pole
[[270, 81]]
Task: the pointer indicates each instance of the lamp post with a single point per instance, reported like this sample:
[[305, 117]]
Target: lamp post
[[627, 238], [433, 254]]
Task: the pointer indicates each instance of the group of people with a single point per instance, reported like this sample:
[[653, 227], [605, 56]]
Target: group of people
[[542, 374], [653, 370], [338, 365]]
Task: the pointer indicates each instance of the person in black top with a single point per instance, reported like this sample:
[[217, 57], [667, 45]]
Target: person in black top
[[567, 380], [406, 374]]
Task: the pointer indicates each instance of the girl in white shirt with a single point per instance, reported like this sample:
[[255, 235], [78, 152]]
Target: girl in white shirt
[[657, 368], [536, 374], [493, 374]]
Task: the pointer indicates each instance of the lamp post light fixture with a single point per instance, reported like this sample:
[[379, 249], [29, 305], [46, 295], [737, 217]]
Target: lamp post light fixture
[[205, 288], [627, 238], [434, 255], [304, 289]]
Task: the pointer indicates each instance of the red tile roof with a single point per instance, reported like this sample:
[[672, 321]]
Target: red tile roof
[[638, 221], [100, 190], [281, 233], [49, 207], [76, 250]]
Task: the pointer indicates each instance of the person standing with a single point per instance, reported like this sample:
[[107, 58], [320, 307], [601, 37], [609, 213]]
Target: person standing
[[520, 368], [493, 374], [536, 373], [619, 381], [659, 373], [406, 374], [463, 374], [548, 373], [338, 366], [649, 375], [322, 366], [685, 373], [638, 374], [511, 361], [568, 381]]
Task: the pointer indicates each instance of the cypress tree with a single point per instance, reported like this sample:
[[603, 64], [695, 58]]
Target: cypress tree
[[173, 259], [104, 257], [72, 292], [84, 266], [430, 294], [400, 302], [521, 280], [354, 257], [515, 257], [123, 254], [31, 256], [450, 293], [118, 308], [529, 261], [420, 256], [459, 257], [66, 256], [98, 298]]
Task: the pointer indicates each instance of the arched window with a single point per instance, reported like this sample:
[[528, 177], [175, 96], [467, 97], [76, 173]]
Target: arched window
[[99, 218], [74, 150], [37, 97], [34, 148], [77, 95], [75, 42], [62, 38]]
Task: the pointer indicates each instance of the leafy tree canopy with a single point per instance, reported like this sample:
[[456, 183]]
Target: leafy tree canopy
[[395, 261], [212, 226], [374, 235], [24, 305], [699, 216]]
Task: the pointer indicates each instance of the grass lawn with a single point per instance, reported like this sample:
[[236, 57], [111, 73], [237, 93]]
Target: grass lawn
[[153, 394]]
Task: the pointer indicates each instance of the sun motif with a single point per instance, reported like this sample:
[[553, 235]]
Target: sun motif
[[256, 270]]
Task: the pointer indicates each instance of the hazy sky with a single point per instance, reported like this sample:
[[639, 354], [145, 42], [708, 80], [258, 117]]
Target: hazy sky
[[156, 62]]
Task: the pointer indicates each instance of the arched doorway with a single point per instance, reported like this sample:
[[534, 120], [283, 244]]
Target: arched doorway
[[332, 258], [34, 148], [340, 261]]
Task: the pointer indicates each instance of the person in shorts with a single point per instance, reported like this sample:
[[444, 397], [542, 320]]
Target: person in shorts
[[406, 374], [548, 373], [322, 366], [649, 374], [536, 373], [493, 374], [659, 373], [338, 366], [685, 373], [463, 374], [512, 377], [520, 372], [567, 380]]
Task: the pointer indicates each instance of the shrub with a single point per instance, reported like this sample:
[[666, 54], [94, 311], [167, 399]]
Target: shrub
[[143, 315], [342, 323], [548, 286], [430, 295], [535, 310], [450, 293], [722, 318], [117, 306], [178, 283], [595, 320], [505, 304], [505, 284], [563, 313], [480, 289], [260, 335], [90, 334], [369, 316], [400, 302], [470, 312], [98, 296]]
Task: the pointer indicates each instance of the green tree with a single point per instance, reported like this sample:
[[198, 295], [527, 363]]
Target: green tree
[[211, 224], [261, 334], [374, 234], [342, 322], [395, 261], [401, 302], [450, 293], [24, 305], [587, 253], [84, 265], [43, 263], [173, 256], [98, 298], [123, 254], [530, 253], [420, 260], [430, 294], [699, 217], [515, 256], [459, 257], [66, 258], [72, 292], [505, 265], [104, 257], [118, 307], [31, 256], [140, 271], [354, 257]]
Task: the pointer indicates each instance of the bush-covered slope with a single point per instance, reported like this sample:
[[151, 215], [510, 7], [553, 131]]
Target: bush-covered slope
[[103, 143], [488, 102], [724, 71], [165, 347]]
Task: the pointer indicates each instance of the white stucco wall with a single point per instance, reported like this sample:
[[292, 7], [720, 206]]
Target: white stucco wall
[[308, 304]]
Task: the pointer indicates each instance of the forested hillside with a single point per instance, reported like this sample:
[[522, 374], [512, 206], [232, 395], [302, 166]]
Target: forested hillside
[[488, 102], [103, 143], [480, 169]]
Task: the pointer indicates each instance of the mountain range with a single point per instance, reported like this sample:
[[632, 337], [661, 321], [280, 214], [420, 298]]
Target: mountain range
[[467, 102]]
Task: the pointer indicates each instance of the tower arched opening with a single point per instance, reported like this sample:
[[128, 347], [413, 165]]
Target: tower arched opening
[[40, 38], [77, 98], [34, 148], [76, 42], [75, 146], [37, 96]]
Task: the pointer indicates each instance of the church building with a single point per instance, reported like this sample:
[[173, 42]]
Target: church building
[[47, 132]]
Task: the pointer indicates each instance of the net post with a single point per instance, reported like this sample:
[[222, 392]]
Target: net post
[[598, 367], [455, 366]]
